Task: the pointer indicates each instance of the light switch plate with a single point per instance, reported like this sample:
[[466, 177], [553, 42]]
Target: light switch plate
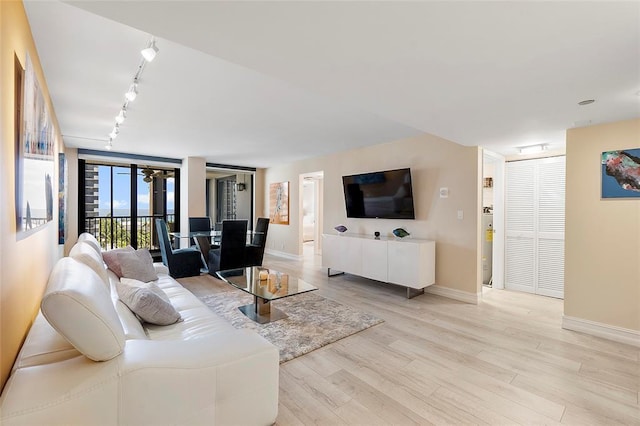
[[460, 214]]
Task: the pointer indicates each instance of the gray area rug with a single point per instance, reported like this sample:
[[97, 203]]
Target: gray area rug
[[312, 322]]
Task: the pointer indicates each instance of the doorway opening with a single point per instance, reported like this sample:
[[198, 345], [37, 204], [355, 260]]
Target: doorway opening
[[493, 210], [310, 220]]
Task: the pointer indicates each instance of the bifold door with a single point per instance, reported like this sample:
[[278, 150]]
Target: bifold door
[[534, 249]]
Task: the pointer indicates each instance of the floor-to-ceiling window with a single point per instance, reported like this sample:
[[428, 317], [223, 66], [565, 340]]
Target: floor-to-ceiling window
[[120, 202]]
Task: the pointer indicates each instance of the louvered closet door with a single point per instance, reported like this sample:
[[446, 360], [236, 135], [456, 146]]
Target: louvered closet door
[[519, 218], [551, 191], [534, 251]]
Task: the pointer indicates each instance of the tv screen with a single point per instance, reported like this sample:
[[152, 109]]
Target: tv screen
[[385, 195]]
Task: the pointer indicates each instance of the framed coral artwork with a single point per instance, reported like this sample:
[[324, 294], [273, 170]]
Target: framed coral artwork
[[279, 203], [621, 173]]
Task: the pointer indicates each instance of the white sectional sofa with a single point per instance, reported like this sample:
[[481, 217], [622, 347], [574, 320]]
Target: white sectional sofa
[[199, 370]]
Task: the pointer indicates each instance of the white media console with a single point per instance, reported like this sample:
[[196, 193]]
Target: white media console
[[408, 262]]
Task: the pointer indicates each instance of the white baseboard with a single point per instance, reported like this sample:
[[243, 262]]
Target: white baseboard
[[599, 329], [283, 254], [451, 293]]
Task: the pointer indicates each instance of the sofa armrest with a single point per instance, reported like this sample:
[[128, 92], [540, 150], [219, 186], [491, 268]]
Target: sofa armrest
[[207, 380], [161, 268]]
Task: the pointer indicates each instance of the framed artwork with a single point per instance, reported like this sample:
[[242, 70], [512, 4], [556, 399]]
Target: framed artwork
[[62, 197], [279, 203], [621, 173], [35, 148]]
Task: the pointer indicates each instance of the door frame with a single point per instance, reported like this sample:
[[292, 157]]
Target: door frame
[[318, 203], [497, 264]]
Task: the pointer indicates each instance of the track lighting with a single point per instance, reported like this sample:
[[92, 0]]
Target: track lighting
[[150, 52], [114, 132], [132, 92], [533, 149], [121, 116]]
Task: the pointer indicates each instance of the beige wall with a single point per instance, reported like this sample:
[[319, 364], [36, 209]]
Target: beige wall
[[25, 259], [434, 163], [602, 236]]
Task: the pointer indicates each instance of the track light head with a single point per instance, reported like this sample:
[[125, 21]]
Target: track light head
[[121, 116], [109, 145], [132, 93], [149, 53], [114, 132]]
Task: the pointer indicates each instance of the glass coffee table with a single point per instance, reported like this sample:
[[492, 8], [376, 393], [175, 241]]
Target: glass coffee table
[[266, 285]]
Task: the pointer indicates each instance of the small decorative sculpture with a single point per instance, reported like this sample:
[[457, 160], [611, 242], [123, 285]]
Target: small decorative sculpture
[[340, 228], [400, 232], [377, 235]]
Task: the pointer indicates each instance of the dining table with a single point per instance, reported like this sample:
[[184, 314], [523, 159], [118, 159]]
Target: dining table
[[215, 234]]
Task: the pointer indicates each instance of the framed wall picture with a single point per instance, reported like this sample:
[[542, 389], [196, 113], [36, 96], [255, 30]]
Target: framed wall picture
[[35, 148], [62, 197], [621, 173], [279, 203]]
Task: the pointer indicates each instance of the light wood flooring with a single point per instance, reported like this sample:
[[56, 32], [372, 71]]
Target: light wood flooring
[[438, 361]]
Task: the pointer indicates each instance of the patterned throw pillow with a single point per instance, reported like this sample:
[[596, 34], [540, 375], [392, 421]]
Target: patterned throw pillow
[[147, 301], [111, 259], [137, 265]]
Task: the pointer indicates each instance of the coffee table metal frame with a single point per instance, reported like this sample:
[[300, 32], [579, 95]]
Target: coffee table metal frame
[[248, 280]]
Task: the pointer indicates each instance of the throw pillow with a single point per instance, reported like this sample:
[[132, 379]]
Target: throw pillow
[[145, 301], [137, 265], [151, 286], [111, 259]]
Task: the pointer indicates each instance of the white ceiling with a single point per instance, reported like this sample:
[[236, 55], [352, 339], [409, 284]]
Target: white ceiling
[[262, 83]]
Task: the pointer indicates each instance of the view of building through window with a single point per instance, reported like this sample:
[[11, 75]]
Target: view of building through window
[[120, 212]]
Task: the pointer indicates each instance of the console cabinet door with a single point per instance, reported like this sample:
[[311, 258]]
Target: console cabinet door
[[374, 259], [331, 252], [403, 263], [412, 264], [342, 253]]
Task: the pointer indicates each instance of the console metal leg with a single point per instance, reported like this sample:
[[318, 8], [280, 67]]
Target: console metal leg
[[413, 292], [329, 274]]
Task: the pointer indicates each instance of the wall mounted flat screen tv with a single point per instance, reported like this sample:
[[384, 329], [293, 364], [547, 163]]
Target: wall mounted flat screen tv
[[385, 195]]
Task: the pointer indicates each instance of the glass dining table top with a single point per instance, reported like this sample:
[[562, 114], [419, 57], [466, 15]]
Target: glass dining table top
[[265, 283], [193, 234]]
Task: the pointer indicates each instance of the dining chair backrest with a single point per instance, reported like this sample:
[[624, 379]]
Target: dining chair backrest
[[163, 239], [199, 224], [260, 235], [232, 244]]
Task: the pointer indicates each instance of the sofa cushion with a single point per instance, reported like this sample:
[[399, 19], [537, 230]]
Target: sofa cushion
[[88, 238], [79, 307], [147, 301], [85, 253], [137, 265], [111, 259]]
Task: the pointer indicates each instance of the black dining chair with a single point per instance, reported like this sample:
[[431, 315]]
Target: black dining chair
[[199, 224], [255, 251], [230, 254], [184, 262]]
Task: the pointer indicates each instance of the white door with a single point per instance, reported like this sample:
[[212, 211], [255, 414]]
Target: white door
[[534, 249]]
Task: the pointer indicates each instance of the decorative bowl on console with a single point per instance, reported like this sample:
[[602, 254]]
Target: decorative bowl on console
[[400, 232], [340, 228]]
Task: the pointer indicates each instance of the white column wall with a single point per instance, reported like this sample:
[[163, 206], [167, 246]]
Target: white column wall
[[193, 174]]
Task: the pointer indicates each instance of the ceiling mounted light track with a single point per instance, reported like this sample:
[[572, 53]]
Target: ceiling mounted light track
[[533, 149], [132, 92], [148, 54]]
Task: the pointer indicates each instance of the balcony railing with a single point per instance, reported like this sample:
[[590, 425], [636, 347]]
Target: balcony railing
[[115, 231]]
